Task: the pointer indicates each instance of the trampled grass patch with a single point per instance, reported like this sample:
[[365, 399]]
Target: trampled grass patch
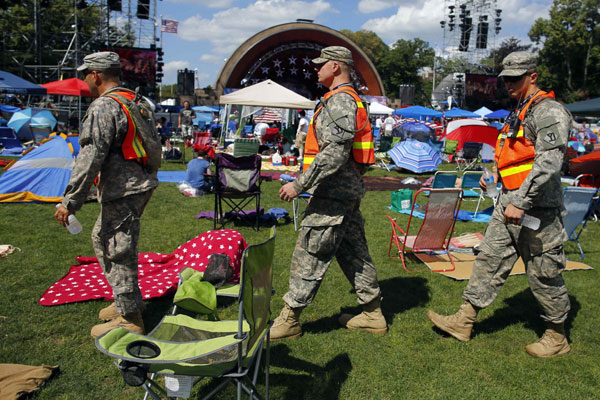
[[411, 361]]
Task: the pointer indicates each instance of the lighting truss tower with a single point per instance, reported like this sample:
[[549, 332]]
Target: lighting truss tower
[[131, 23], [470, 28]]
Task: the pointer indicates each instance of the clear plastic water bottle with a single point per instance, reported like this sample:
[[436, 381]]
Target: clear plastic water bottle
[[491, 188], [73, 224], [530, 222]]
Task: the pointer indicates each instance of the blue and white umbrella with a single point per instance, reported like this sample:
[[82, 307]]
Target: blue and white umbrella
[[415, 156], [578, 147], [21, 121]]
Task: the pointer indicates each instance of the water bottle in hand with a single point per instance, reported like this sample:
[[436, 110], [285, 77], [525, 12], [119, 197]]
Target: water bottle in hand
[[491, 188], [530, 222], [73, 224]]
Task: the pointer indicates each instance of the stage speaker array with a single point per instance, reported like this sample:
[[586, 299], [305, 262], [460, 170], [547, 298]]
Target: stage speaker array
[[114, 5], [143, 9], [185, 82], [482, 35], [406, 93], [465, 34]]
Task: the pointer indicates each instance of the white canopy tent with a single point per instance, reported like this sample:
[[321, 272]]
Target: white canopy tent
[[265, 94], [379, 109]]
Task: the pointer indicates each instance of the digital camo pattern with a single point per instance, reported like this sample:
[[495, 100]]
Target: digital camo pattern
[[103, 130], [547, 126], [330, 229], [333, 173], [542, 253], [115, 238]]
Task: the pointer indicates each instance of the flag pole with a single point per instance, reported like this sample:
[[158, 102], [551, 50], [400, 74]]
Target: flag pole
[[161, 46]]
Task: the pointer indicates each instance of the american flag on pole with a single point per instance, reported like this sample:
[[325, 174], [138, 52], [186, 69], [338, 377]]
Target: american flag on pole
[[169, 25]]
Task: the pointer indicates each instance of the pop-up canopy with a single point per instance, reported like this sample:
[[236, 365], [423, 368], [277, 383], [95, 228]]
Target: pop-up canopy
[[12, 84]]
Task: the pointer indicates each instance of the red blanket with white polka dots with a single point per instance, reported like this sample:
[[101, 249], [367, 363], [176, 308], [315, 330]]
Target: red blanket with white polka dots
[[157, 273]]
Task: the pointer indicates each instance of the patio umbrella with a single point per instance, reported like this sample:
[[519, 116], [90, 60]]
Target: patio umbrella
[[22, 121], [415, 156], [415, 130], [578, 147]]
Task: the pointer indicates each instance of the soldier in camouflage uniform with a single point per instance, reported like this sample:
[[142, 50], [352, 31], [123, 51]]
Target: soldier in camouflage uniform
[[124, 189], [333, 225], [546, 125]]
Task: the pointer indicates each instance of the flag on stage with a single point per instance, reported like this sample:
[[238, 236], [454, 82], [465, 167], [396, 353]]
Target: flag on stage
[[169, 25]]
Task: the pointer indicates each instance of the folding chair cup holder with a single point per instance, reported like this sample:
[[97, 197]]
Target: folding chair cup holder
[[230, 350], [436, 229]]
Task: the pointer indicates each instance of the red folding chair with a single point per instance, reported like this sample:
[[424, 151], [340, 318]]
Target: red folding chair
[[435, 231]]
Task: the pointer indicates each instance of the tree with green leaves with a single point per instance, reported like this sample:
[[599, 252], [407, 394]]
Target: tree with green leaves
[[370, 43], [402, 64], [24, 46], [494, 61], [569, 61]]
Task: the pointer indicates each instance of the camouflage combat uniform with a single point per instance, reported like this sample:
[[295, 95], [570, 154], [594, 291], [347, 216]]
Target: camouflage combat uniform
[[333, 225], [124, 189], [547, 126]]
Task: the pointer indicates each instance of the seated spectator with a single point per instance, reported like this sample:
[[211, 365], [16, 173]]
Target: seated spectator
[[196, 180], [284, 146]]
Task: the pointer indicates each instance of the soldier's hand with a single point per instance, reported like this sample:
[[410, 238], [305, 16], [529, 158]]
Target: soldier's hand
[[287, 192], [62, 215], [513, 215]]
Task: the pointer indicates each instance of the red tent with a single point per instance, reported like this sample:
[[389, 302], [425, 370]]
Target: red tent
[[474, 133], [68, 87]]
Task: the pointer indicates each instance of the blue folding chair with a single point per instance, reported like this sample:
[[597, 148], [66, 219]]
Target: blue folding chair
[[577, 203], [444, 179], [470, 187]]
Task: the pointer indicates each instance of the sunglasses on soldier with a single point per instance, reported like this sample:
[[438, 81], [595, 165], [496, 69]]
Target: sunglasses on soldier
[[513, 79]]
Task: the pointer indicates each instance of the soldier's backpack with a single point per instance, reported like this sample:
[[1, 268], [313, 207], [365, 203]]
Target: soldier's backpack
[[142, 141]]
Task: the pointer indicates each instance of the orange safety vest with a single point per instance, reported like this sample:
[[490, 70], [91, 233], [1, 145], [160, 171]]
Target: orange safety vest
[[515, 155], [132, 145], [362, 148]]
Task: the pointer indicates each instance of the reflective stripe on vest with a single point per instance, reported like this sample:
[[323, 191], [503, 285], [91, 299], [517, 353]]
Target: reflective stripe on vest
[[362, 147], [515, 156], [132, 145]]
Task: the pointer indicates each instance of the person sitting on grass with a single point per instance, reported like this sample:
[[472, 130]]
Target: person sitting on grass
[[196, 180]]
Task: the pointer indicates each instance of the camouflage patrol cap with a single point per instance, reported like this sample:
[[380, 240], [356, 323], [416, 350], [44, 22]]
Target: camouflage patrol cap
[[518, 63], [100, 61], [335, 53]]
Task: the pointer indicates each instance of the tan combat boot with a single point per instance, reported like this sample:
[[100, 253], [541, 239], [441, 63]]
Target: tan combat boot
[[131, 322], [371, 319], [552, 343], [287, 324], [458, 325], [110, 312]]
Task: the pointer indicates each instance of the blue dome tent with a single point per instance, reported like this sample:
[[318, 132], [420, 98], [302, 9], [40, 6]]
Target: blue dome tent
[[41, 175]]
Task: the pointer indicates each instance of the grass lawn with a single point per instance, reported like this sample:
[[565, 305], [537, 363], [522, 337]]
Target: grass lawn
[[411, 361]]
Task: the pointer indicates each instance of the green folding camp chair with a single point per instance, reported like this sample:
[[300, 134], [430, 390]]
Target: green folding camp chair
[[449, 150], [184, 349]]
